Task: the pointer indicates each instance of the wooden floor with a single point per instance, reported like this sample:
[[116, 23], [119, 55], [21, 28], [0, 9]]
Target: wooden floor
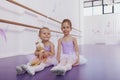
[[103, 64]]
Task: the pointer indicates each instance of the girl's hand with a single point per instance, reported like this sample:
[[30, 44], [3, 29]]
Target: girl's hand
[[77, 62], [46, 54], [58, 59], [37, 53]]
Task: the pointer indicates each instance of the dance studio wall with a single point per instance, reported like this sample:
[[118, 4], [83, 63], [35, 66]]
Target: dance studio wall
[[21, 40], [102, 29], [56, 9], [15, 41]]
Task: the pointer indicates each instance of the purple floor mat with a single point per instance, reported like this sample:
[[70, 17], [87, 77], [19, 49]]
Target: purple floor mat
[[103, 64]]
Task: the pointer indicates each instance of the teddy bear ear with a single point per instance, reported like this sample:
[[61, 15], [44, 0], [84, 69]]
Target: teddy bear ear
[[37, 43]]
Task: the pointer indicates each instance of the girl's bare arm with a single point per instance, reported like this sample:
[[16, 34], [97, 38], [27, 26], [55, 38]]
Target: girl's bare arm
[[52, 52], [76, 50], [59, 50]]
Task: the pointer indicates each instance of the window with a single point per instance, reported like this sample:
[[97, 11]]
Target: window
[[88, 4], [97, 10], [100, 7], [88, 11], [107, 9], [117, 8]]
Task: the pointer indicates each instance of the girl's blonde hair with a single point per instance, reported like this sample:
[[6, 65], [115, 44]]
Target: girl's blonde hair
[[42, 29]]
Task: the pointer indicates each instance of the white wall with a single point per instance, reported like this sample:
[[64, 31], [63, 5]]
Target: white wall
[[21, 40], [17, 41], [102, 29], [58, 9]]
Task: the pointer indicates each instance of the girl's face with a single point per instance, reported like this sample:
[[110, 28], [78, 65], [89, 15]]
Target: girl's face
[[66, 28], [45, 34]]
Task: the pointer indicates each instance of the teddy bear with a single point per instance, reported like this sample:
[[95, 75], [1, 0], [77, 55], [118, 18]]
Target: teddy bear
[[39, 48]]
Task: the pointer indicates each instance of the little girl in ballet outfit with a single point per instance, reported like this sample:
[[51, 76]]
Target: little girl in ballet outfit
[[43, 58], [68, 52]]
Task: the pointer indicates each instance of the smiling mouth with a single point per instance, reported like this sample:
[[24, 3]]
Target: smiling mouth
[[65, 31], [46, 37]]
